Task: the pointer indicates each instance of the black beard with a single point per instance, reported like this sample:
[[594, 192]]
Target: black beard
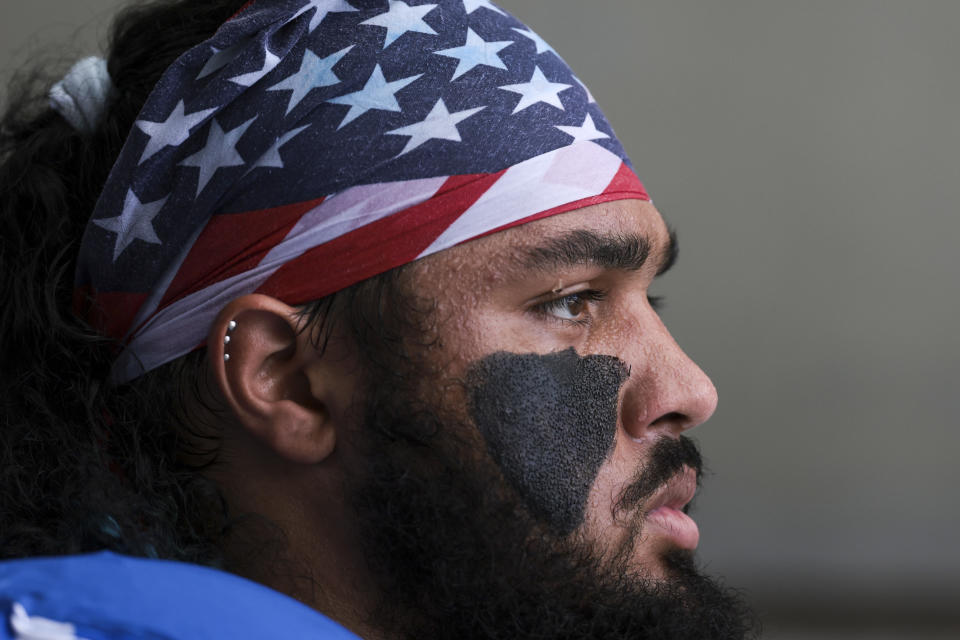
[[454, 553]]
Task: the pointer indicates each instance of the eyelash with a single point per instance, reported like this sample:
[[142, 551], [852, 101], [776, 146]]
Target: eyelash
[[553, 309], [550, 308]]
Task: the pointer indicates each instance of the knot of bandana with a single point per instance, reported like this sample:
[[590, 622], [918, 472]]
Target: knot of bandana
[[307, 146]]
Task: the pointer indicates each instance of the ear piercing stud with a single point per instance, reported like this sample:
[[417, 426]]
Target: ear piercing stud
[[226, 339]]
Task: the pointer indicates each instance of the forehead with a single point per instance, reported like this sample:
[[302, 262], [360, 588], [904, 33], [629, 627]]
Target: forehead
[[502, 253]]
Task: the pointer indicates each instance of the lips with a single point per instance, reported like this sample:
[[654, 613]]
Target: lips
[[664, 511]]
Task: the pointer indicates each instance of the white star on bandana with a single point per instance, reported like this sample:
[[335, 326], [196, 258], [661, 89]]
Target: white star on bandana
[[474, 52], [173, 131], [315, 72], [134, 223], [538, 89], [439, 124], [377, 93], [401, 18], [585, 132], [219, 151]]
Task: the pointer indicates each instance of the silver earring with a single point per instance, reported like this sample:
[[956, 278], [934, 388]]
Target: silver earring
[[226, 339]]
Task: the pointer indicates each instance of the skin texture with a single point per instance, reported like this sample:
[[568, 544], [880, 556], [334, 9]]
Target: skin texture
[[290, 444], [549, 422]]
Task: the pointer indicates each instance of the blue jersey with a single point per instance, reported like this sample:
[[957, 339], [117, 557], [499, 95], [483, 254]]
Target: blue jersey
[[104, 596]]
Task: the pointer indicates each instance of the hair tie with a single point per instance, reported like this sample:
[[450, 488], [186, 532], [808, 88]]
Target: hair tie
[[81, 96]]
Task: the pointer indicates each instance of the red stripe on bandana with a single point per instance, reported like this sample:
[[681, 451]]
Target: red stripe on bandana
[[376, 247], [233, 243], [109, 312]]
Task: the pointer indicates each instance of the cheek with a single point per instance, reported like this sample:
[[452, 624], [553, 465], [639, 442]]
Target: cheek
[[549, 422], [613, 476]]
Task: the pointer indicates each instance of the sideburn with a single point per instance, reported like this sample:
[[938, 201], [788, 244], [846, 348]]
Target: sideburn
[[549, 422]]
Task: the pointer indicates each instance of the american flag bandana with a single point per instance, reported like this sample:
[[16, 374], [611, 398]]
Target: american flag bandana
[[308, 146]]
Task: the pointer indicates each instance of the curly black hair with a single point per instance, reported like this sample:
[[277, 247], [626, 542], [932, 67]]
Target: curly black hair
[[85, 465]]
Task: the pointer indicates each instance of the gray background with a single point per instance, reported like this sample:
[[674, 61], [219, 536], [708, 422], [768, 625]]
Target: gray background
[[807, 152]]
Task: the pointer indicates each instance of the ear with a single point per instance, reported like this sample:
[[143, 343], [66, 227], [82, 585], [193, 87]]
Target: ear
[[268, 371]]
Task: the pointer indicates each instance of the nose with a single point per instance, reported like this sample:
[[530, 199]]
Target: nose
[[667, 393]]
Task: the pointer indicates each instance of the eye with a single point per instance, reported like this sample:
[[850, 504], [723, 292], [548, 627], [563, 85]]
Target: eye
[[572, 308]]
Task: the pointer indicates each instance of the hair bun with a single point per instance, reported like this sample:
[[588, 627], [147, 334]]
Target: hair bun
[[81, 96]]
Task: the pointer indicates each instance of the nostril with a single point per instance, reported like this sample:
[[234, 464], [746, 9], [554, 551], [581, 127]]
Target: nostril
[[670, 419]]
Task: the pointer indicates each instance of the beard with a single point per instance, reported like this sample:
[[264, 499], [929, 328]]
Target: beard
[[455, 552]]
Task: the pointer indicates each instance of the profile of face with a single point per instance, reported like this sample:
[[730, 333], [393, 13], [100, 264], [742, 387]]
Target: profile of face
[[571, 377], [554, 399], [513, 465]]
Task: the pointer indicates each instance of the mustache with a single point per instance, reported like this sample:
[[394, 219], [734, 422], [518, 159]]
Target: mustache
[[667, 458]]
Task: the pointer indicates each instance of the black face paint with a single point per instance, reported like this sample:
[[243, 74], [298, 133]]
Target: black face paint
[[549, 422]]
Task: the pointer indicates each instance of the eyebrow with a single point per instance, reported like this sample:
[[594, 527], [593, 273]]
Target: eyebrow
[[624, 252]]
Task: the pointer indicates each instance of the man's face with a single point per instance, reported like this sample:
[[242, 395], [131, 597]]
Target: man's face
[[578, 280], [522, 472]]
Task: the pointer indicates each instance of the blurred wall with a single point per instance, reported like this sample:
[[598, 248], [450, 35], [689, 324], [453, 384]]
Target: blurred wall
[[807, 153]]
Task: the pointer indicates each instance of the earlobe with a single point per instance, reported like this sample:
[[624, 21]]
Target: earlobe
[[260, 360]]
